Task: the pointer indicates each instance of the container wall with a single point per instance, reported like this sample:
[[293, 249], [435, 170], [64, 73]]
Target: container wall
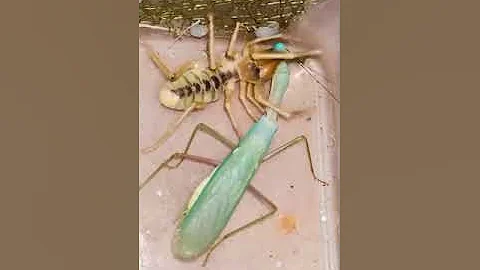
[[286, 179]]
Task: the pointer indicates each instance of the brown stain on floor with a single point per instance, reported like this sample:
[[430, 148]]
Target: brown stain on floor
[[288, 224]]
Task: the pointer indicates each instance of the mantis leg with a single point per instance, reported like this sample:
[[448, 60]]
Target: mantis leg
[[263, 39], [258, 95], [210, 45], [251, 98], [227, 106], [181, 156], [284, 56], [209, 131], [172, 127], [291, 143], [250, 44], [243, 99], [272, 209]]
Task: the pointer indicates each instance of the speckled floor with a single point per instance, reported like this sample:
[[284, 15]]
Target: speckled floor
[[285, 179]]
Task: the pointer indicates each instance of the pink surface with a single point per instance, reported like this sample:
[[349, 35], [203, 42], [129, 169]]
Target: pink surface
[[285, 179]]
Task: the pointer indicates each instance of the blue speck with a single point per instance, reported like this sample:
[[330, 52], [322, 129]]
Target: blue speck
[[279, 47]]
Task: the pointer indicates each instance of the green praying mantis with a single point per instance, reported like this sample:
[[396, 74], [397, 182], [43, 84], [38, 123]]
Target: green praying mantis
[[214, 201]]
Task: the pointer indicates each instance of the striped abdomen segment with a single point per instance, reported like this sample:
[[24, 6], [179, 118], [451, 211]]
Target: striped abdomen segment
[[201, 86]]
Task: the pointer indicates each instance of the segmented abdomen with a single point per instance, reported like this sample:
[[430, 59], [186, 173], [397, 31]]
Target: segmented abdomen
[[196, 85]]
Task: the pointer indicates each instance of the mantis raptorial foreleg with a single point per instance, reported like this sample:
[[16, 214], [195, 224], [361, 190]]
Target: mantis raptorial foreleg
[[263, 39], [250, 97], [258, 95], [284, 56]]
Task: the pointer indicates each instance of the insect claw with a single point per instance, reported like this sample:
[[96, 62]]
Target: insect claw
[[204, 263], [322, 182]]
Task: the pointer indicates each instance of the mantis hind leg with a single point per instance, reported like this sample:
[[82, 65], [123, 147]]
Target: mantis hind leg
[[262, 198], [175, 156], [291, 143], [181, 156]]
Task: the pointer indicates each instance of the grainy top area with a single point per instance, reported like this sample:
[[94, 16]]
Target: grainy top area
[[177, 14]]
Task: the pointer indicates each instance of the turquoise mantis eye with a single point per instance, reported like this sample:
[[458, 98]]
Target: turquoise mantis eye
[[279, 47]]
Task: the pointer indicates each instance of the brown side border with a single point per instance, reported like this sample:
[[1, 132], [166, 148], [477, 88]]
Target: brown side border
[[69, 121], [409, 156], [409, 134]]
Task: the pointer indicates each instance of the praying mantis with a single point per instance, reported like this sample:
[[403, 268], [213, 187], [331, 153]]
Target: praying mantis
[[213, 202], [191, 88]]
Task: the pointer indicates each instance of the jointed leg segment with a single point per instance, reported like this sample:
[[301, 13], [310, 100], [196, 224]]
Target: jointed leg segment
[[209, 131], [262, 198], [258, 95], [172, 127], [263, 39], [166, 71], [243, 99], [230, 51], [227, 106], [291, 143], [251, 98], [182, 156], [210, 46], [284, 56]]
